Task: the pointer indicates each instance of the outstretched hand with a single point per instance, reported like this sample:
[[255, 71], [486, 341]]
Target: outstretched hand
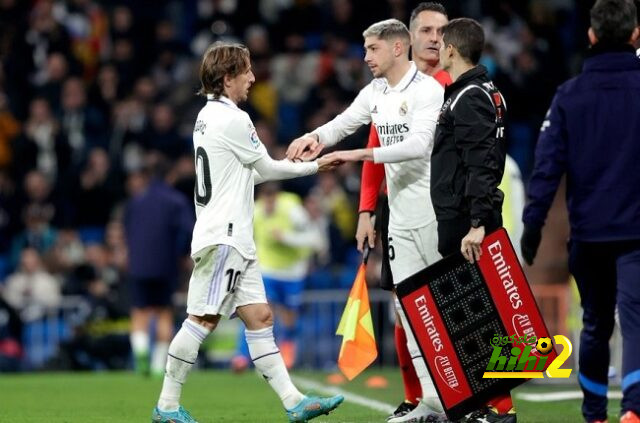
[[306, 147], [348, 155]]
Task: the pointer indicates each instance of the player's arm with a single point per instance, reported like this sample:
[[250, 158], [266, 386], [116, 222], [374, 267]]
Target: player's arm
[[242, 139], [423, 127], [550, 165], [276, 170], [418, 143], [346, 123]]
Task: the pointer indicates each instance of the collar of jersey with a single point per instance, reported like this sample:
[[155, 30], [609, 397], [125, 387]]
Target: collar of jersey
[[405, 81], [222, 99]]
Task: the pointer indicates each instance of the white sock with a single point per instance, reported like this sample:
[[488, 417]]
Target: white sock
[[159, 357], [139, 342], [183, 352], [429, 393], [268, 361]]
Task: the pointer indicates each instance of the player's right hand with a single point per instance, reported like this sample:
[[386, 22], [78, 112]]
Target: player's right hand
[[365, 232], [306, 147], [325, 164]]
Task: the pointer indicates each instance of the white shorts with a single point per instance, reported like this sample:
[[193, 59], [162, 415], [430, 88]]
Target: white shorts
[[412, 250], [223, 280]]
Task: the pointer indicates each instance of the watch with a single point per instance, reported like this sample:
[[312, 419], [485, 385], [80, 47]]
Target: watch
[[476, 222]]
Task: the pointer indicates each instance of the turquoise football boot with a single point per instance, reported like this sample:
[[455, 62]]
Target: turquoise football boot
[[180, 416], [312, 407]]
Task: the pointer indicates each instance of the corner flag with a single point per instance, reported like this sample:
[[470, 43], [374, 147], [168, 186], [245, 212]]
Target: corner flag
[[358, 349]]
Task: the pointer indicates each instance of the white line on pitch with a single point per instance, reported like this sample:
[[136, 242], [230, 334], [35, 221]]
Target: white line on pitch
[[560, 396], [348, 396]]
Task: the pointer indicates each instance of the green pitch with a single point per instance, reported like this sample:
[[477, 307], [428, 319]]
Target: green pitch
[[219, 396]]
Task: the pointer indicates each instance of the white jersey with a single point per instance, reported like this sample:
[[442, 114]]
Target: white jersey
[[407, 111], [226, 145]]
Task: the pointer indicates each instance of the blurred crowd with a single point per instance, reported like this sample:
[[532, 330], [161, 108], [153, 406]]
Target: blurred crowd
[[92, 92]]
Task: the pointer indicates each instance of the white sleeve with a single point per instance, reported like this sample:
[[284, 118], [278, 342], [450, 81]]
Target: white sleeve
[[424, 118], [346, 123], [275, 170], [242, 138], [257, 178]]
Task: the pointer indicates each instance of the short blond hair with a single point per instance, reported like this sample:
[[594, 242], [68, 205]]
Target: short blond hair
[[219, 60], [387, 30]]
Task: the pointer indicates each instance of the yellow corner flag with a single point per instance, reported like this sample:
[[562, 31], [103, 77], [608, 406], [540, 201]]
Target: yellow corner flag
[[358, 349]]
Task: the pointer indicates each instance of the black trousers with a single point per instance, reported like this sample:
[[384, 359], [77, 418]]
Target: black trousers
[[451, 232], [382, 223], [607, 275]]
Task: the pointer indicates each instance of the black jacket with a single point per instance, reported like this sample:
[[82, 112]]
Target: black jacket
[[468, 156]]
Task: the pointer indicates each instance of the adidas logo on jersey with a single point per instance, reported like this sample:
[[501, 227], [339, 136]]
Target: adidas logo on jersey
[[375, 109]]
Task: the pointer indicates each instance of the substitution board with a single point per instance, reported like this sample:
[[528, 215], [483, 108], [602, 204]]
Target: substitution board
[[455, 310]]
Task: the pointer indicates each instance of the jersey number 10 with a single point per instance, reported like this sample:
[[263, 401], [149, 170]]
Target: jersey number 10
[[203, 178]]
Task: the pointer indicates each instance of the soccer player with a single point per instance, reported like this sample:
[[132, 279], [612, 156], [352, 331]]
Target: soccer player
[[468, 163], [403, 104], [425, 24], [230, 159]]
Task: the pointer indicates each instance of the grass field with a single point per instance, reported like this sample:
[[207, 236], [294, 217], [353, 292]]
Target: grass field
[[220, 396]]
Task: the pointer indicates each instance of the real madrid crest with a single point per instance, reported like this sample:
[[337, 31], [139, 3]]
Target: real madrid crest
[[403, 108]]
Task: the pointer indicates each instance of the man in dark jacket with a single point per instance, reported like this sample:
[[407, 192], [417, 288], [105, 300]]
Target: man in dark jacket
[[592, 133], [469, 151], [158, 223], [467, 162]]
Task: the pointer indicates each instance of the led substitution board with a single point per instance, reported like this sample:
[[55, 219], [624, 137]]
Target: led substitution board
[[457, 310]]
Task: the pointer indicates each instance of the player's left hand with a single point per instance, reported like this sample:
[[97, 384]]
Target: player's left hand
[[470, 246]]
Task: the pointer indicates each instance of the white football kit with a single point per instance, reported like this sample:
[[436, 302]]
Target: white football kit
[[229, 160], [405, 118]]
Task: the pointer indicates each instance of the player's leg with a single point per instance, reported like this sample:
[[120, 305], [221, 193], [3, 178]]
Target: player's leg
[[265, 355], [594, 270], [250, 303], [410, 381], [164, 332], [407, 258], [242, 357], [208, 290], [628, 299], [183, 352], [160, 299], [140, 317]]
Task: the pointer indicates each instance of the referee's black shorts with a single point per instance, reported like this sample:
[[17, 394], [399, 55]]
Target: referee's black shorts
[[382, 227]]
